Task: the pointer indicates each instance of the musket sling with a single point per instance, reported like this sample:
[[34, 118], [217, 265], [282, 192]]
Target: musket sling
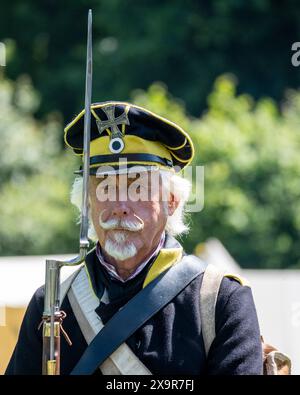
[[125, 322], [83, 302]]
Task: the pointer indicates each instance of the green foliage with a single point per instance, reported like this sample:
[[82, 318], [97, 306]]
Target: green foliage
[[250, 153], [35, 177], [185, 44]]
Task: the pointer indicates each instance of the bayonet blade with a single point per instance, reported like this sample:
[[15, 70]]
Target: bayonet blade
[[84, 243]]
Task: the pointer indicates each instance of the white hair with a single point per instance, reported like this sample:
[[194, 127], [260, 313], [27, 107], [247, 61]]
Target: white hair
[[171, 183]]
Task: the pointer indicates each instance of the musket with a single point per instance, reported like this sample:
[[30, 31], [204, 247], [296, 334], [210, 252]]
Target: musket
[[52, 315]]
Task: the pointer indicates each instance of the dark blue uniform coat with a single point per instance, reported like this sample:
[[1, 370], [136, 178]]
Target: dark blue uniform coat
[[170, 342]]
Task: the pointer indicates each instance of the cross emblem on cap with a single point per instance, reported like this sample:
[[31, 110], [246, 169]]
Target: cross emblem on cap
[[116, 144], [113, 122]]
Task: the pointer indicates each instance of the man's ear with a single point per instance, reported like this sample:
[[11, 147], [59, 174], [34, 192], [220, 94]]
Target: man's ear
[[172, 204]]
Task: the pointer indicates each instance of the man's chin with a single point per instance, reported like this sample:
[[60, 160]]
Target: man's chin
[[119, 251]]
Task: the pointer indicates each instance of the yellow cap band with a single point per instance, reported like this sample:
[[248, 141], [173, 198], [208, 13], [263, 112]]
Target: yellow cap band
[[133, 145]]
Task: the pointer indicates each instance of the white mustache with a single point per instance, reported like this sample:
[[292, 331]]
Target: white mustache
[[133, 226]]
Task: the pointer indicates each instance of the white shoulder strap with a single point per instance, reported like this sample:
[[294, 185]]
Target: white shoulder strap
[[84, 302], [211, 282], [66, 284]]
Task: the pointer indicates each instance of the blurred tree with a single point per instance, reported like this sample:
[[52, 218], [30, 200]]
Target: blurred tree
[[35, 177], [185, 44], [250, 153]]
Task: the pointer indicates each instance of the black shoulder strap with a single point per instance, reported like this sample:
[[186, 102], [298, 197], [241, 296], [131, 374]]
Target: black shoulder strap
[[137, 311]]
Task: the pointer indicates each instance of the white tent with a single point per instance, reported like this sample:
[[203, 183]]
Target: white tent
[[20, 276]]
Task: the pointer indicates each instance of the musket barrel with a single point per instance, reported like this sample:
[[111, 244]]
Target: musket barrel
[[52, 316]]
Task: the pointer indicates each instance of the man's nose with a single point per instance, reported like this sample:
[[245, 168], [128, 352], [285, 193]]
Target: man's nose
[[120, 210]]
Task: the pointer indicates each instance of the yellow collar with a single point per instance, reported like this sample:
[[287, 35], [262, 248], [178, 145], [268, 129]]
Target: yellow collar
[[166, 258]]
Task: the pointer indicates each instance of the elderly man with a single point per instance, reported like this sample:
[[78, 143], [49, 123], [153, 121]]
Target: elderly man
[[136, 208]]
